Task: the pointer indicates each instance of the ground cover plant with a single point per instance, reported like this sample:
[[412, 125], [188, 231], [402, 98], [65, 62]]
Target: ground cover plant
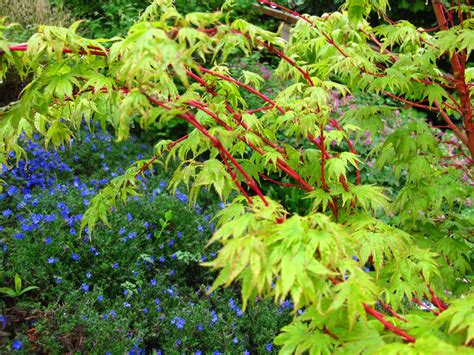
[[306, 224], [136, 286]]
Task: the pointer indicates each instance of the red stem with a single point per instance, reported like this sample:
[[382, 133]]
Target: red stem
[[189, 117], [388, 325], [265, 177], [246, 87], [234, 178], [392, 312], [152, 160], [418, 302]]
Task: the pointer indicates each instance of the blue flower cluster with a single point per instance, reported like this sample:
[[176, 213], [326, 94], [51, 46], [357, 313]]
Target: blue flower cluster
[[127, 277]]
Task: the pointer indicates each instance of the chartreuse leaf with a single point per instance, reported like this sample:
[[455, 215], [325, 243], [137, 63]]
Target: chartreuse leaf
[[460, 318], [17, 283], [298, 338], [369, 196], [118, 189], [359, 289]]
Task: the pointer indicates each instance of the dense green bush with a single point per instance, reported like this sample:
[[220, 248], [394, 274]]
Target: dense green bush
[[135, 285]]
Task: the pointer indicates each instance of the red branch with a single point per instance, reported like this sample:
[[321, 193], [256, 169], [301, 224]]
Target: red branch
[[152, 160], [392, 312], [418, 302], [189, 117], [388, 325]]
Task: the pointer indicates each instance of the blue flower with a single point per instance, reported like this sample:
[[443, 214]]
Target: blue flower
[[115, 266], [100, 298], [7, 213], [17, 344], [235, 340], [153, 282], [127, 305], [3, 322], [19, 236], [48, 240], [200, 327], [58, 279], [85, 287], [112, 313], [268, 347], [214, 316], [75, 257], [88, 275], [129, 217], [52, 260], [178, 322]]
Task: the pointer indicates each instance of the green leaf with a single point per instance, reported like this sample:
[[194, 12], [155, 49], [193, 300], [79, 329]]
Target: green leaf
[[17, 283], [297, 338], [8, 291], [26, 289]]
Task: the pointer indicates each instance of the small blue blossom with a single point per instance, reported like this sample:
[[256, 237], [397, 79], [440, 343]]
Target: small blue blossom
[[19, 236], [178, 322], [17, 344], [100, 298], [268, 347], [75, 257], [85, 287]]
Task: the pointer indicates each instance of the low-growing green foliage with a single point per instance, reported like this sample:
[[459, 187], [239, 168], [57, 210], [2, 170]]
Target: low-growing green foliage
[[137, 285], [363, 268]]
